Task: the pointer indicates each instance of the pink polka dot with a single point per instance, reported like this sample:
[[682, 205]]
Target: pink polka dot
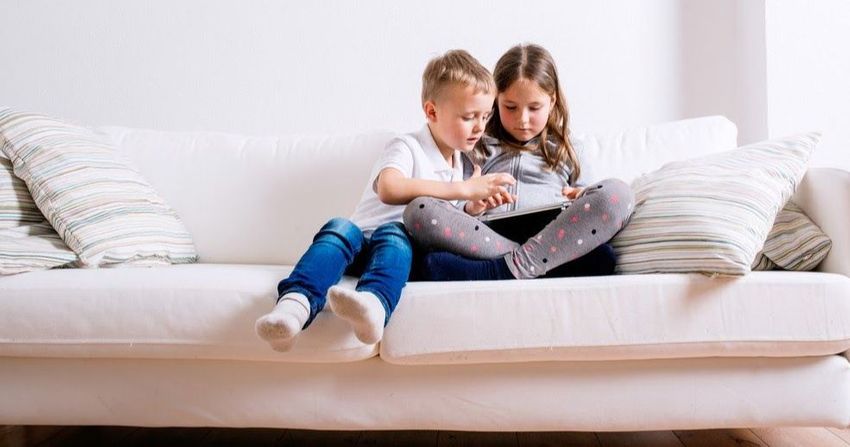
[[574, 219], [553, 249], [615, 199], [474, 248], [461, 235], [447, 232], [561, 233], [417, 226], [605, 217]]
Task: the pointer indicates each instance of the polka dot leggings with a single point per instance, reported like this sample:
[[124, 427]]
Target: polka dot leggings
[[590, 221]]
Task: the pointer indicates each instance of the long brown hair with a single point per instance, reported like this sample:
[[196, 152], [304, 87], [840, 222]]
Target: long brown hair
[[534, 63]]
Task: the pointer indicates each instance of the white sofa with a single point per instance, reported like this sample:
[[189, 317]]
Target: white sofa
[[175, 346]]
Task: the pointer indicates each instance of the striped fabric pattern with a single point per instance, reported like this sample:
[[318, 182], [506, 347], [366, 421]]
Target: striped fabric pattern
[[27, 241], [101, 208], [711, 214], [794, 242], [762, 263], [16, 205], [33, 247]]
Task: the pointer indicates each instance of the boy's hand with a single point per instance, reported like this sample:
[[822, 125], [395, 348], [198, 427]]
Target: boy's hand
[[490, 186], [476, 207], [571, 193]]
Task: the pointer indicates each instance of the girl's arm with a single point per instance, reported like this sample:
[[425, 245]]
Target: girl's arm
[[394, 188]]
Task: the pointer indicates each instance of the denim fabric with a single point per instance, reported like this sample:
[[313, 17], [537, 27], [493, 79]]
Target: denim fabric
[[382, 262]]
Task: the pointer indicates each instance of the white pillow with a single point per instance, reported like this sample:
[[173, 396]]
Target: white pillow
[[101, 208], [711, 214]]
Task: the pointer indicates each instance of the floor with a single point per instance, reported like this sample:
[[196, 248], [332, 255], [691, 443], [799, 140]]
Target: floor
[[19, 436]]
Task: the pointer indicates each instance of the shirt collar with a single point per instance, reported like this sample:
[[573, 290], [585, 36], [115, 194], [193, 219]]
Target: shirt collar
[[436, 157]]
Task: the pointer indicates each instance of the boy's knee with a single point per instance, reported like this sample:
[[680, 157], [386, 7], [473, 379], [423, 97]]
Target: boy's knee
[[339, 224], [393, 233], [345, 230], [391, 229]]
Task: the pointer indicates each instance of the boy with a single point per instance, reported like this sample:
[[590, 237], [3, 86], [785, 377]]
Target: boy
[[457, 98]]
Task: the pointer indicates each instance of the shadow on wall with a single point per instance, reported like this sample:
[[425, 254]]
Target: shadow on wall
[[722, 61]]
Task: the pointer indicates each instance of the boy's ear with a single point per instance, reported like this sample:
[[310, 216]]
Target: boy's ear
[[430, 111]]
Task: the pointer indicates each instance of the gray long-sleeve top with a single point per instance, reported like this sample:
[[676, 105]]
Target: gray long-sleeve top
[[536, 184]]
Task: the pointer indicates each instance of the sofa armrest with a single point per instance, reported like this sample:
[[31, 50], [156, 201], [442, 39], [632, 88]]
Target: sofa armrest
[[824, 195]]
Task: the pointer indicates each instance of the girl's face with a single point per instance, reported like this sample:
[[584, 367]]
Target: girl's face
[[524, 109]]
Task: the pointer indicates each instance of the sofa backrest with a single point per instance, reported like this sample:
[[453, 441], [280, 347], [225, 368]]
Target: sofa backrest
[[260, 200]]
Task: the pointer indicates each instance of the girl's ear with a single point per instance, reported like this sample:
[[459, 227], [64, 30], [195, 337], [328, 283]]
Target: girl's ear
[[430, 111]]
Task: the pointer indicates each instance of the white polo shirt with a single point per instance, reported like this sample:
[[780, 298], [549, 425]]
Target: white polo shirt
[[416, 156]]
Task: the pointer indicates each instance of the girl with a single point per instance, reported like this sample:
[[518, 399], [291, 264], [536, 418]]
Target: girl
[[529, 137]]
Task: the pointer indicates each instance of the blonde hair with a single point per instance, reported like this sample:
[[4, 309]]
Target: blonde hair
[[532, 62], [456, 67]]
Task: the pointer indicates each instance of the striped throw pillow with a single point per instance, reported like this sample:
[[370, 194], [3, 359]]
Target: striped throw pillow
[[711, 214], [27, 241], [16, 205], [33, 247], [101, 207], [794, 242]]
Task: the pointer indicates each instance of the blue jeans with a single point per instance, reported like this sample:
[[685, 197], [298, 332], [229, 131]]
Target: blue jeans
[[382, 262]]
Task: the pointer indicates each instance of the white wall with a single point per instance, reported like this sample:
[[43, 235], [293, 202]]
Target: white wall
[[334, 66], [272, 67], [808, 79]]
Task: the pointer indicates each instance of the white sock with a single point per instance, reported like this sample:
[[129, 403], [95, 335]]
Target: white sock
[[282, 325], [363, 311]]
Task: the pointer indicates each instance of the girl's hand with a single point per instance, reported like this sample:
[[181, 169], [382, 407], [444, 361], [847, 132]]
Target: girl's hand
[[486, 187], [571, 193]]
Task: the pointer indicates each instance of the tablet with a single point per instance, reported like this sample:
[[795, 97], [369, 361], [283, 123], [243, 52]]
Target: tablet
[[521, 212], [519, 225]]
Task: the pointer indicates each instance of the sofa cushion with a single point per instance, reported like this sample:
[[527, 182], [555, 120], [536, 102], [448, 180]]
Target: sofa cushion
[[772, 314], [711, 214], [199, 311], [271, 195], [256, 200], [102, 208], [631, 152]]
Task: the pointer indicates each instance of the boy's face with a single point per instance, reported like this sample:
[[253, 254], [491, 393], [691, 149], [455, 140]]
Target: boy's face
[[457, 118]]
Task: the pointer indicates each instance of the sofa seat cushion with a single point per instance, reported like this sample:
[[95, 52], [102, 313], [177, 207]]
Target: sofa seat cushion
[[773, 314], [202, 311]]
